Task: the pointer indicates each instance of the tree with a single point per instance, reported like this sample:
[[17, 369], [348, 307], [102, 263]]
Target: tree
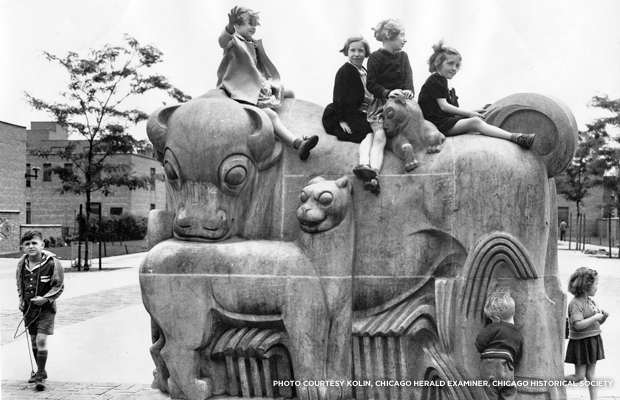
[[98, 85], [576, 180], [605, 165]]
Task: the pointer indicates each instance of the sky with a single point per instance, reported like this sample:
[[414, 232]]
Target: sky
[[569, 49]]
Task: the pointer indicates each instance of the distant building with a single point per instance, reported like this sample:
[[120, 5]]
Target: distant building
[[12, 190], [45, 205], [592, 207]]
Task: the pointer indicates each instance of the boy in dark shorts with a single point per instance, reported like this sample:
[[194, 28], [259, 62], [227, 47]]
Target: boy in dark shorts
[[40, 279], [500, 345]]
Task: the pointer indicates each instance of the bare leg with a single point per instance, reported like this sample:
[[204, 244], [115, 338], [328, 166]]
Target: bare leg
[[364, 149], [376, 151], [477, 124], [280, 130], [590, 376], [580, 373]]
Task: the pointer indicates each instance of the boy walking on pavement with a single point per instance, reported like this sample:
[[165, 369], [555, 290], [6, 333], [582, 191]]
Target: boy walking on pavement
[[500, 345], [40, 281]]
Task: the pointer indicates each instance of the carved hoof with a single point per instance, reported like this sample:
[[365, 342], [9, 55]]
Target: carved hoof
[[174, 390], [433, 149], [410, 166], [158, 383], [198, 389]]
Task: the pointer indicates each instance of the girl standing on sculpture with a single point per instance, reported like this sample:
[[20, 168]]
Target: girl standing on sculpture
[[389, 75], [440, 105], [346, 117], [247, 75], [585, 346]]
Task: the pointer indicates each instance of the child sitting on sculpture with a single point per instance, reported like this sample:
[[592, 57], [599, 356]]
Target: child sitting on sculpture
[[585, 345], [440, 104], [389, 75], [247, 75], [500, 345]]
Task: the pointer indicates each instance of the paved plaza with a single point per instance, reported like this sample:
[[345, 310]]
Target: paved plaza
[[100, 349]]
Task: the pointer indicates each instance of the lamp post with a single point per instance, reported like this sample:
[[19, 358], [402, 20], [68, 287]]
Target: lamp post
[[35, 175]]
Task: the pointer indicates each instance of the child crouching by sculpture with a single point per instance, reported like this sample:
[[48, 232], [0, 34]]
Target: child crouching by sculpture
[[500, 345], [440, 104], [247, 75]]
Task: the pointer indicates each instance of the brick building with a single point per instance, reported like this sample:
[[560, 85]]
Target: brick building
[[13, 193], [45, 205], [592, 206]]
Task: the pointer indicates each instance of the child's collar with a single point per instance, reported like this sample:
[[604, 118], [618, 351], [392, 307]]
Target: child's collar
[[389, 52]]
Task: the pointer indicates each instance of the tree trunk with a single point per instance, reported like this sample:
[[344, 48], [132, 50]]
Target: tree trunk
[[86, 226]]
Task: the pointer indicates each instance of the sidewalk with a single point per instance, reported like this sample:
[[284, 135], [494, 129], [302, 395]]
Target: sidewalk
[[100, 349]]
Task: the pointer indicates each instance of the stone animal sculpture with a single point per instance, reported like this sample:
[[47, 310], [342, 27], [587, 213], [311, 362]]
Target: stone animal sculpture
[[201, 276], [406, 129], [425, 253]]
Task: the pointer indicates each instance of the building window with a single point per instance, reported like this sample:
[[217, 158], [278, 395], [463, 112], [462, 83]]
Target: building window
[[116, 210], [152, 179], [28, 172], [152, 206], [47, 172], [28, 213]]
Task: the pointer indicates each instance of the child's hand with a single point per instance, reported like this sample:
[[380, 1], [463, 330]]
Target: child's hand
[[233, 17], [345, 127], [396, 93], [38, 301], [408, 94], [472, 114], [605, 315]]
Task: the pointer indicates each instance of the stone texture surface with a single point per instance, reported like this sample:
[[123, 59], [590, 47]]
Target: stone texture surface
[[232, 269]]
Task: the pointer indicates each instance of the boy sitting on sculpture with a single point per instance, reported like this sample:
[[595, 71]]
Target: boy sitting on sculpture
[[247, 75]]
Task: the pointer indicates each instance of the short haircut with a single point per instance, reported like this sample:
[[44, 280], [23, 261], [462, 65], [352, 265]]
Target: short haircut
[[387, 29], [500, 304], [582, 280], [249, 16], [440, 52], [353, 39], [29, 235]]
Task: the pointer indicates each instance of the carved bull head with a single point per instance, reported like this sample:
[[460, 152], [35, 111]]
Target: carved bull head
[[213, 150]]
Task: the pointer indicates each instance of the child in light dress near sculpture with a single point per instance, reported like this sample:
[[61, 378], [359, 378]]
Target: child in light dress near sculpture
[[389, 75], [500, 345], [440, 105], [248, 76], [585, 345]]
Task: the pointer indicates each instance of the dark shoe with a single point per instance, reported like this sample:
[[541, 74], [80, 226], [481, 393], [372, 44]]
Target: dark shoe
[[38, 383], [306, 145], [364, 172], [525, 140], [33, 377], [373, 186]]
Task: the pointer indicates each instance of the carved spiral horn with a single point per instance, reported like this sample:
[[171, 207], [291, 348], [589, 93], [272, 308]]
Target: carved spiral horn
[[261, 142], [550, 119], [157, 128]]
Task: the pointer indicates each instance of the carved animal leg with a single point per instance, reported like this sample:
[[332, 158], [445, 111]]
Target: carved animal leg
[[403, 149], [183, 366], [339, 346], [161, 373], [409, 157], [306, 319]]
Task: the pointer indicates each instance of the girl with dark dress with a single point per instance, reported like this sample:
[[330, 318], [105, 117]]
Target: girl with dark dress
[[346, 117], [585, 346], [440, 104]]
